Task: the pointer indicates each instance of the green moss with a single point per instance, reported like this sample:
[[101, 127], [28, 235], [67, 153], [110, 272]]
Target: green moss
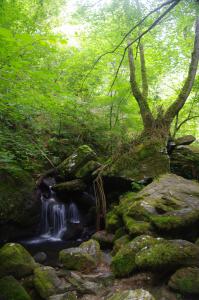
[[119, 243], [136, 228], [10, 289], [15, 260], [113, 221], [171, 221], [14, 192], [87, 169], [76, 259], [119, 233], [168, 254], [71, 165], [123, 263], [45, 281], [185, 280]]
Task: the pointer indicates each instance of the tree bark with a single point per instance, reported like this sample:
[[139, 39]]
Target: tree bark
[[145, 111], [175, 107]]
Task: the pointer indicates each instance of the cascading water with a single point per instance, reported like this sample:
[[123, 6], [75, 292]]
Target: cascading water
[[55, 216]]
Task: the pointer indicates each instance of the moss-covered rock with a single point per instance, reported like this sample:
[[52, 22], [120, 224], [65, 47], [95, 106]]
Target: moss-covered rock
[[15, 260], [16, 196], [185, 161], [138, 294], [123, 263], [185, 280], [77, 259], [46, 281], [119, 243], [71, 165], [113, 221], [146, 159], [11, 289], [167, 255], [104, 238], [136, 228], [72, 185], [87, 169], [92, 247]]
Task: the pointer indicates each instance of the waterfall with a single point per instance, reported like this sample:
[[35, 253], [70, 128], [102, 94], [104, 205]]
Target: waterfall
[[55, 216], [73, 213]]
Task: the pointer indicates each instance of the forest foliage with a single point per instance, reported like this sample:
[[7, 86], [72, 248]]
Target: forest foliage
[[51, 97]]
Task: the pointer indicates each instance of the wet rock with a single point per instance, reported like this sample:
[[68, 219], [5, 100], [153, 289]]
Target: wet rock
[[11, 289], [84, 286], [92, 247], [68, 186], [70, 166], [185, 140], [106, 279], [87, 169], [47, 283], [185, 280], [138, 294], [15, 260], [65, 296], [40, 257], [77, 259], [104, 238], [185, 161], [165, 293]]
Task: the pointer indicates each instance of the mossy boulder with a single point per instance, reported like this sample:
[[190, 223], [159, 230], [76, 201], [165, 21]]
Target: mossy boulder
[[92, 247], [77, 259], [146, 159], [87, 169], [113, 221], [185, 280], [15, 260], [16, 197], [68, 186], [185, 161], [71, 165], [123, 263], [46, 281], [138, 294], [11, 289], [119, 243], [104, 238], [167, 255], [136, 228]]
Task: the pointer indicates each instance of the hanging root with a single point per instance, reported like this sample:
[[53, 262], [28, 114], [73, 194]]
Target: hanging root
[[100, 200]]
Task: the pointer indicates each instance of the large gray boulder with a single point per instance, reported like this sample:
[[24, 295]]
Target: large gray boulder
[[169, 205]]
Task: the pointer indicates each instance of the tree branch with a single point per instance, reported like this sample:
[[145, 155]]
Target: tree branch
[[126, 35], [186, 89], [155, 23], [145, 111]]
